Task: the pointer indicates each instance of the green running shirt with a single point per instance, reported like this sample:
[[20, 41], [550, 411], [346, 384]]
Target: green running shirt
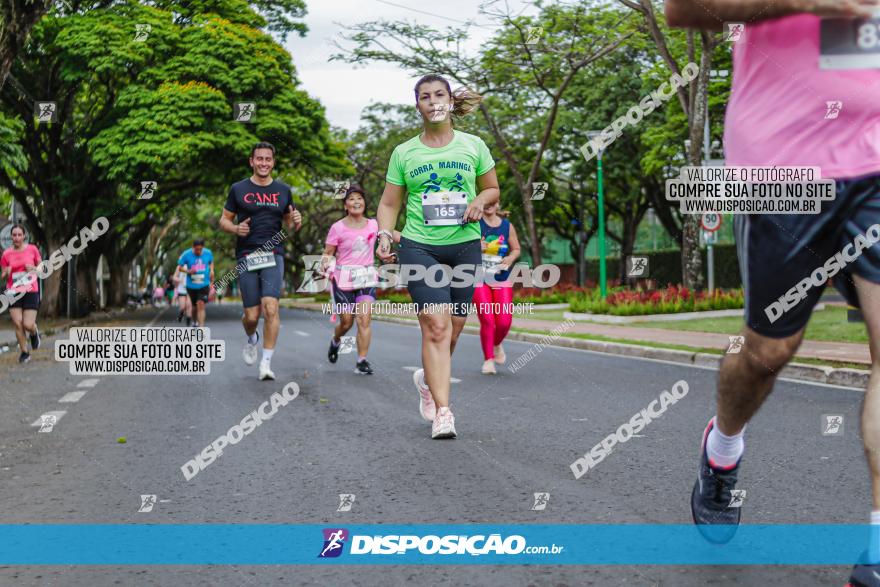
[[425, 170]]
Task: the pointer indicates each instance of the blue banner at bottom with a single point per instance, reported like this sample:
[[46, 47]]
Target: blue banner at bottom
[[258, 544]]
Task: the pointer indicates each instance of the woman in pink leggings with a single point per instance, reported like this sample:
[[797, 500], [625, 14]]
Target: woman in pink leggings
[[494, 299]]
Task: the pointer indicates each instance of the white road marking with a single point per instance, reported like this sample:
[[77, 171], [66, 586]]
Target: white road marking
[[157, 316], [412, 369], [301, 333], [72, 397], [88, 383], [454, 380], [58, 415]]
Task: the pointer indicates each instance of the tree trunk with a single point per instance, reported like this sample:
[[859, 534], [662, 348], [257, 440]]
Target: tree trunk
[[51, 304], [116, 297], [86, 292], [17, 18]]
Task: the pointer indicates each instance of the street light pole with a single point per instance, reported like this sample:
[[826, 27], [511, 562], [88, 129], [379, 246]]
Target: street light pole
[[603, 284]]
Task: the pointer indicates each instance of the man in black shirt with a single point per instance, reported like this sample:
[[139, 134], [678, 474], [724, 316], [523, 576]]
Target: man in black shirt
[[254, 211]]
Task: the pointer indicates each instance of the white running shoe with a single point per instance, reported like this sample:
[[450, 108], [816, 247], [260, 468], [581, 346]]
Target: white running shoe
[[500, 357], [488, 367], [444, 424], [250, 351], [427, 408], [266, 372]]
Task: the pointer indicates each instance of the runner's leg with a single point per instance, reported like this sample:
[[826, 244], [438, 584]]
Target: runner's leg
[[17, 322], [29, 321], [745, 379], [502, 297], [364, 330], [436, 329], [271, 322], [482, 297], [869, 299], [200, 312], [343, 325]]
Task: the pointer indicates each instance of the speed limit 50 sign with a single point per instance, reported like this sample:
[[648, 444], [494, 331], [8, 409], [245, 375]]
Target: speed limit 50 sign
[[711, 221]]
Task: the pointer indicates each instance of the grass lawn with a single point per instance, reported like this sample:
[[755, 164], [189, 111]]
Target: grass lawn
[[829, 325]]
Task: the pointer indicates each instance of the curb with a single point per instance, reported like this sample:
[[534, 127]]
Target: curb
[[94, 317], [856, 378]]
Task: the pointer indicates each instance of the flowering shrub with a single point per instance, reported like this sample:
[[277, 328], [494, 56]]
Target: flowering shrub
[[672, 300]]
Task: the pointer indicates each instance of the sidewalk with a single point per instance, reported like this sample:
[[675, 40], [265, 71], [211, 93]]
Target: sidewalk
[[52, 326], [845, 352]]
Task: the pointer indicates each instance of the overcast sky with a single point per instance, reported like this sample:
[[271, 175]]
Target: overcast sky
[[345, 91]]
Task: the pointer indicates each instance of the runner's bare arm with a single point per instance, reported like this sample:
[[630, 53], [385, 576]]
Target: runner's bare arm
[[513, 251], [328, 253], [227, 224], [488, 193], [386, 216], [712, 14]]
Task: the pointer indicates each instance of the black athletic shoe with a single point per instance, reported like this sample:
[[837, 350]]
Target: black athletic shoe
[[188, 321], [180, 315], [363, 368], [24, 357], [35, 338], [712, 499], [333, 353], [864, 574]]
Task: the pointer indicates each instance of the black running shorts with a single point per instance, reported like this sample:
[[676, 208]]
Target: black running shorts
[[262, 283], [786, 259], [428, 256]]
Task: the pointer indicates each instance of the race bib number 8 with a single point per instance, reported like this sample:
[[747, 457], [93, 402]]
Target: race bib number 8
[[444, 208], [260, 260], [849, 43]]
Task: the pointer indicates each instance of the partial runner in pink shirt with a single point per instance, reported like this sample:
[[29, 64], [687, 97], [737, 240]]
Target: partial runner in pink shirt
[[18, 266], [806, 83], [349, 256]]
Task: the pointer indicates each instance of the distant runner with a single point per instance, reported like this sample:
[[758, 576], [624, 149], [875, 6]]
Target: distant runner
[[184, 304], [446, 178], [19, 264], [254, 210], [494, 298], [352, 241], [198, 264], [779, 55]]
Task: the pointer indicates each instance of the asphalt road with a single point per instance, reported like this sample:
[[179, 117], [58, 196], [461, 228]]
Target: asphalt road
[[518, 434]]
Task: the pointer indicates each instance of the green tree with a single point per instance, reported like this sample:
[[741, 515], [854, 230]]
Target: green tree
[[157, 109]]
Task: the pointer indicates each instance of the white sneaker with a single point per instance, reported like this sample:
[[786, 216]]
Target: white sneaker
[[488, 367], [265, 371], [444, 424], [500, 357], [250, 351], [427, 408]]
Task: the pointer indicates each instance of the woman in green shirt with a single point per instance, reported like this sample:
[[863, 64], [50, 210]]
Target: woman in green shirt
[[446, 177]]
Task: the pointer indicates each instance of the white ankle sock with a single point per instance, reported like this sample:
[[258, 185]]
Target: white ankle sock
[[874, 541], [267, 355], [724, 451], [253, 338]]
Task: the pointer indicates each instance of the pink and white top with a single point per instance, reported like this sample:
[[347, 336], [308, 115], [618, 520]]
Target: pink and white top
[[354, 254], [786, 111], [16, 260]]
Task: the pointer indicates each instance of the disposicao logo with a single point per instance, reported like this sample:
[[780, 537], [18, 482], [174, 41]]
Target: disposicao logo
[[334, 540]]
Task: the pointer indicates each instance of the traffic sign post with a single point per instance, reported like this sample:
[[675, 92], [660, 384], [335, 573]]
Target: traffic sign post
[[710, 222]]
